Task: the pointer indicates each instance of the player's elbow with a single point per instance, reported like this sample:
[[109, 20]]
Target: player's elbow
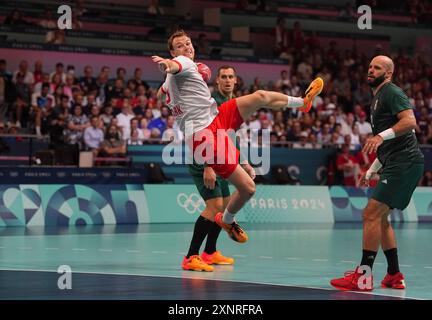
[[412, 123]]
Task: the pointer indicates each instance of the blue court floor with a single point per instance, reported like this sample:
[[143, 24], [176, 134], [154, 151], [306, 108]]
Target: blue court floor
[[279, 262]]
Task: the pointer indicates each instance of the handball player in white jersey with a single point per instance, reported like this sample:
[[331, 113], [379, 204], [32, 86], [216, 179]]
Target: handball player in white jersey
[[197, 114]]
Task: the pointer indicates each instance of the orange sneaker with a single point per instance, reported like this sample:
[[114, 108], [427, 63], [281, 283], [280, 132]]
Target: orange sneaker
[[311, 92], [235, 232], [395, 281], [195, 263], [216, 258]]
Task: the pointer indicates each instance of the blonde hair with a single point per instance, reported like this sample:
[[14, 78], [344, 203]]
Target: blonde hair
[[176, 34]]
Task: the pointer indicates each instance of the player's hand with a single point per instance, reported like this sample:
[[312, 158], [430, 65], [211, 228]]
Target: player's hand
[[162, 63], [366, 177], [209, 177], [249, 170], [363, 181], [372, 144]]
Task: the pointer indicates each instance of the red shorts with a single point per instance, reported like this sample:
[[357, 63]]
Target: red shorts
[[223, 159]]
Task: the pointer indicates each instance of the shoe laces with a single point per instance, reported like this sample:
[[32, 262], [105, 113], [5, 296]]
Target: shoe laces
[[197, 257], [236, 227], [350, 274]]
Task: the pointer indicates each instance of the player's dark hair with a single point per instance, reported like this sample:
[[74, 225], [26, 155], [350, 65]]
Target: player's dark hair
[[224, 67]]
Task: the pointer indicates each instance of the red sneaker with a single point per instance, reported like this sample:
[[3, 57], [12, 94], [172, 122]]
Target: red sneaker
[[353, 281], [395, 281]]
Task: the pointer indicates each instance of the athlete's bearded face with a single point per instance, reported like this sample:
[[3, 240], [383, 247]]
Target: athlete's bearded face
[[182, 46], [377, 74]]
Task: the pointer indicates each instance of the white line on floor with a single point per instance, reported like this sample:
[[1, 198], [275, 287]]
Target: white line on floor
[[79, 249], [428, 267], [292, 258], [24, 248], [51, 248], [133, 251], [105, 250], [406, 265], [239, 255], [347, 261], [320, 260], [265, 257], [215, 278], [159, 252]]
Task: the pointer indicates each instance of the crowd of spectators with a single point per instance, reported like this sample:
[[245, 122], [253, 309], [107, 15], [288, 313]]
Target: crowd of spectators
[[97, 113], [103, 112]]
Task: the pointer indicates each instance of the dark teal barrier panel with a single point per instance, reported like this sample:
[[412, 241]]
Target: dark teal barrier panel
[[309, 166], [68, 175]]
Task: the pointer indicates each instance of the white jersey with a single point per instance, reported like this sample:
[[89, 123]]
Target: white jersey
[[188, 97]]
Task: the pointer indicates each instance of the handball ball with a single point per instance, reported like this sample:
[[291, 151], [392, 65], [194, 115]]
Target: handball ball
[[205, 71]]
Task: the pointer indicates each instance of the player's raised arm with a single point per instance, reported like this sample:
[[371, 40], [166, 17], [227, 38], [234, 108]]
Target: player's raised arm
[[166, 65]]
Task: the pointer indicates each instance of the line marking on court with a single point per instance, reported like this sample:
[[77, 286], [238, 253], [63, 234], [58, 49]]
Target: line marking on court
[[51, 248], [24, 248], [320, 260], [216, 279], [181, 253], [239, 255], [105, 250], [292, 258], [2, 247], [379, 263], [265, 257], [406, 265], [347, 261], [79, 249], [133, 251], [428, 267], [159, 252]]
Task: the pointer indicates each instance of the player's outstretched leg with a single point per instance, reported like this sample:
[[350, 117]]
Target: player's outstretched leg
[[249, 104]]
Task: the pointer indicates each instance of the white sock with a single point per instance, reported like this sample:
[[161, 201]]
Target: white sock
[[294, 102], [38, 131], [228, 217]]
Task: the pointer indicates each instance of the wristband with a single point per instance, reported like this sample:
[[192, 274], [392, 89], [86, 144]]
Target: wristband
[[387, 134], [375, 166]]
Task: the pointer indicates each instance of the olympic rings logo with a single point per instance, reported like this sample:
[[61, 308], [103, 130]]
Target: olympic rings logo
[[192, 203]]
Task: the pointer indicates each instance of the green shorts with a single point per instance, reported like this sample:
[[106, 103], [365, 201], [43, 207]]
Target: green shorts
[[397, 184], [221, 186]]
